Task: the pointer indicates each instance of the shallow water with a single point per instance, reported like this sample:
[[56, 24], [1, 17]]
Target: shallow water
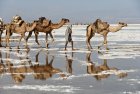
[[40, 71]]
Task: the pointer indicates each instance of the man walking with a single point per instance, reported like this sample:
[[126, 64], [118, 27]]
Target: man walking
[[68, 36]]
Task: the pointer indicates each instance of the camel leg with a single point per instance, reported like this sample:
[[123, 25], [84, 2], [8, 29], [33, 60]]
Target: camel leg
[[92, 35], [47, 44], [36, 38], [7, 38], [50, 63], [29, 35], [0, 38], [88, 43], [36, 60], [20, 39], [26, 45], [51, 36], [105, 40], [89, 35]]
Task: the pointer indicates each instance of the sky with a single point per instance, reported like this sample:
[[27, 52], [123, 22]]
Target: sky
[[78, 11]]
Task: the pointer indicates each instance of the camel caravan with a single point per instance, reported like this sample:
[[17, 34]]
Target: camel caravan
[[19, 26]]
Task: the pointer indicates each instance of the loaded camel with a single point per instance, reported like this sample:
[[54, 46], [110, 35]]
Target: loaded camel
[[21, 29], [96, 28], [46, 29]]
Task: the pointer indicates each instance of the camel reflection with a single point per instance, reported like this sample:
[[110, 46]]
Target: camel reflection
[[17, 73], [97, 71], [20, 71], [2, 66], [46, 71]]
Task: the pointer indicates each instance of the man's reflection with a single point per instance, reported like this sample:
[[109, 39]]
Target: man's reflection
[[69, 60], [96, 71]]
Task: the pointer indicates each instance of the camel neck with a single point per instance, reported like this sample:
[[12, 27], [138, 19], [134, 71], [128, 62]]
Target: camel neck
[[57, 25]]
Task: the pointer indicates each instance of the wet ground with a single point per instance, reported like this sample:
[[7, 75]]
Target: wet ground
[[36, 70]]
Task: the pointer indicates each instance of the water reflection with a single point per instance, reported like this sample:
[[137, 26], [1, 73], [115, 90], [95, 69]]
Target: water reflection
[[69, 70], [17, 72], [46, 71], [102, 71], [2, 66], [43, 70], [69, 60], [25, 67]]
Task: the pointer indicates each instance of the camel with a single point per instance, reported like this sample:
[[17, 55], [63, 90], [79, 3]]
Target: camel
[[92, 29], [21, 29], [96, 27], [47, 29]]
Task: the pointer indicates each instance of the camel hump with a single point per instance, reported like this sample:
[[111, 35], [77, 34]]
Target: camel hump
[[100, 25], [41, 19], [44, 22]]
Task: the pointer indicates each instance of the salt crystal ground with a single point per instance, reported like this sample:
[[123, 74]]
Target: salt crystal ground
[[75, 76]]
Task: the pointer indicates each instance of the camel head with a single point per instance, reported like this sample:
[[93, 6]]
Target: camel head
[[65, 20], [122, 24]]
